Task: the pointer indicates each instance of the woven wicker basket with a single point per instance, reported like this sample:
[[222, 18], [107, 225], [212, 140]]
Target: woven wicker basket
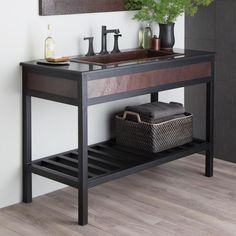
[[153, 137]]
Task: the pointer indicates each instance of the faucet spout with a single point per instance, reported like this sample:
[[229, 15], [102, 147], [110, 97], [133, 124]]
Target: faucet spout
[[115, 31]]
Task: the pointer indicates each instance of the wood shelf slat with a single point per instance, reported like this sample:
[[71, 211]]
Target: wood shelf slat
[[74, 163], [105, 167], [114, 158]]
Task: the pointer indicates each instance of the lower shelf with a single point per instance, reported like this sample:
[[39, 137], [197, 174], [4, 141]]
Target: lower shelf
[[108, 161]]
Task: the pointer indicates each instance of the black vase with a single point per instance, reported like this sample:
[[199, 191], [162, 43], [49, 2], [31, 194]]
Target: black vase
[[167, 36]]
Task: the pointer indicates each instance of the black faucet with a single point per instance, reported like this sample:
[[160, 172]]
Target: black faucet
[[104, 38]]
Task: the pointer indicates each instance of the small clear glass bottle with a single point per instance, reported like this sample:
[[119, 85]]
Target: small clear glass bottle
[[140, 38], [49, 45], [147, 37]]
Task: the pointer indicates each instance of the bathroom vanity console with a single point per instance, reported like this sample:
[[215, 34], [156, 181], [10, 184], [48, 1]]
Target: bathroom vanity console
[[85, 84]]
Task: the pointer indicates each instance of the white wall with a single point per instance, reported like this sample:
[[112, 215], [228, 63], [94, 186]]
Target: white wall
[[54, 125]]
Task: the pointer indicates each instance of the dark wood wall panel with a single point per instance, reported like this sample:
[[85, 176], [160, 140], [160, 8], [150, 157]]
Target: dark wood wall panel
[[211, 30], [132, 82], [61, 7], [199, 36]]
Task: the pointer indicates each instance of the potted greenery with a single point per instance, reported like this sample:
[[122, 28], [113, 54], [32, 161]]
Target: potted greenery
[[165, 12]]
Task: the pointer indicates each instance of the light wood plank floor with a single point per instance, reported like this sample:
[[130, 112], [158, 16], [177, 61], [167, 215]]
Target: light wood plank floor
[[173, 199]]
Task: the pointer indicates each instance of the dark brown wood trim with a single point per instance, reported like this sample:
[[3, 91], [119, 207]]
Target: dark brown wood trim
[[52, 85], [138, 81], [62, 7]]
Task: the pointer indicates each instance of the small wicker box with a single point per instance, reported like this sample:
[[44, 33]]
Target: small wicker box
[[153, 137]]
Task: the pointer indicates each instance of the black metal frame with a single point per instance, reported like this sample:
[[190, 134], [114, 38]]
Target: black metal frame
[[27, 144], [90, 166], [210, 123], [83, 152]]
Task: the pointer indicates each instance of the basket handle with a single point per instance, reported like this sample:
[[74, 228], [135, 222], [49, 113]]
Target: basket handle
[[132, 114]]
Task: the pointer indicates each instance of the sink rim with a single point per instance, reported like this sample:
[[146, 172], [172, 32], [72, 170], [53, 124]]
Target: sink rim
[[168, 54]]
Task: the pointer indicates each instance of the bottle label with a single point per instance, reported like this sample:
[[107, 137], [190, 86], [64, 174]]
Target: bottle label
[[50, 47]]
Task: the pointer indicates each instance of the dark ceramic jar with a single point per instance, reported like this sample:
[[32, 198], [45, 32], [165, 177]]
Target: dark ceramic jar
[[167, 36]]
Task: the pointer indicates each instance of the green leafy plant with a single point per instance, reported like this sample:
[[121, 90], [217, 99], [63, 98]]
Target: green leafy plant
[[164, 11]]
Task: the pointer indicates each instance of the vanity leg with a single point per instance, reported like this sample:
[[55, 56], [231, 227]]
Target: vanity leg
[[83, 154], [210, 126], [154, 97], [27, 150]]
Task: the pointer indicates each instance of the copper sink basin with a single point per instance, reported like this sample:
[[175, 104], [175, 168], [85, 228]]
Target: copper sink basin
[[137, 55]]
